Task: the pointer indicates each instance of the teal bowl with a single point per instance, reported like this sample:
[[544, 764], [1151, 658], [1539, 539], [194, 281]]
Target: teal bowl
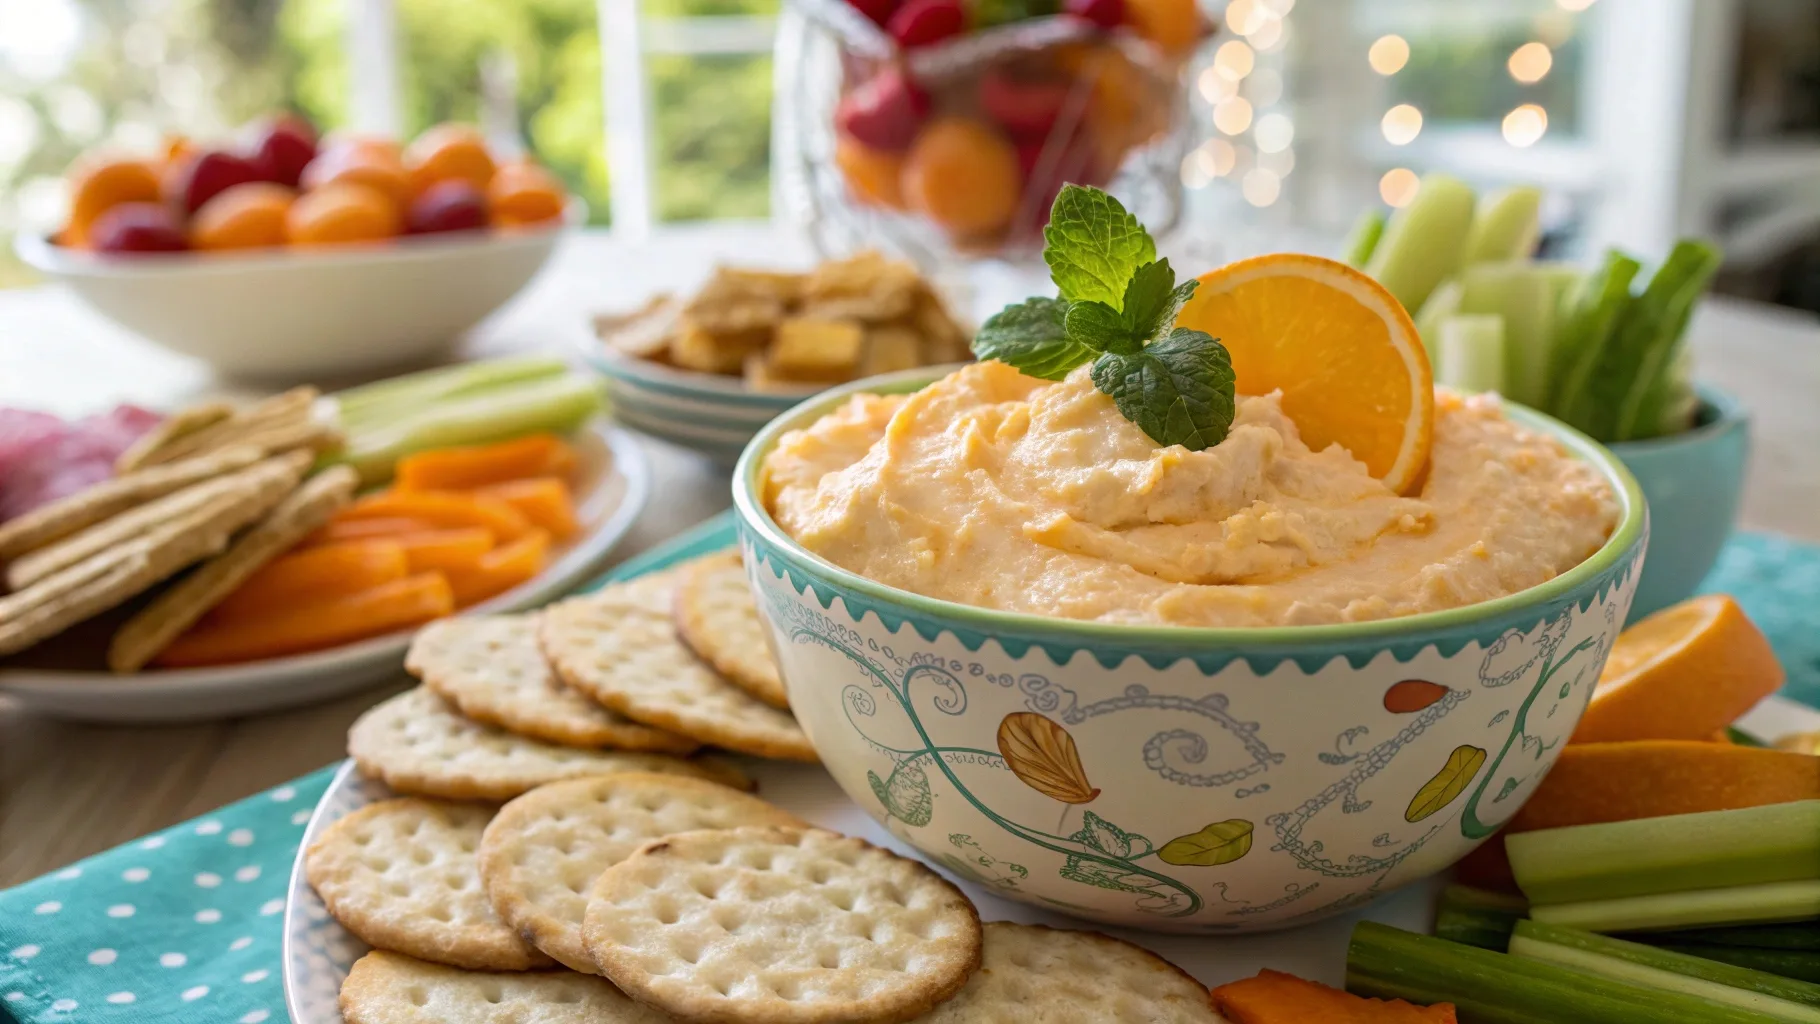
[[1193, 780], [1692, 482]]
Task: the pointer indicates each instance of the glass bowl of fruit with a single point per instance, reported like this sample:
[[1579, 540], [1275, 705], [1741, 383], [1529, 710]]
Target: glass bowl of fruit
[[287, 257], [944, 128]]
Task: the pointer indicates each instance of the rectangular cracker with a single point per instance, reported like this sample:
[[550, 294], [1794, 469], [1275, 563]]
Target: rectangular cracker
[[42, 563], [644, 332], [695, 347], [121, 571], [60, 519], [736, 301], [288, 409], [153, 628], [817, 350], [866, 286], [177, 425], [889, 348]]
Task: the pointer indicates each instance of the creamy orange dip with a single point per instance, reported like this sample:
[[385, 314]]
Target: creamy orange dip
[[1003, 491]]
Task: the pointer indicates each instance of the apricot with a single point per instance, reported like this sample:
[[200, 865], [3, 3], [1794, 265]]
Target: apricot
[[448, 152], [1173, 25], [341, 212], [99, 184], [1123, 109], [373, 163], [875, 176], [963, 176], [524, 193], [249, 216]]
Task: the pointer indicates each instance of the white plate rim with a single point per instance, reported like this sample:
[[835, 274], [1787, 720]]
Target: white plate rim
[[629, 463]]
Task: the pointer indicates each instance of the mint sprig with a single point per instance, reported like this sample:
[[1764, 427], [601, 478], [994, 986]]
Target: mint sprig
[[1117, 310]]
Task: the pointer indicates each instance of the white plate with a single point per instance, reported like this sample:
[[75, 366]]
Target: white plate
[[318, 952], [616, 483]]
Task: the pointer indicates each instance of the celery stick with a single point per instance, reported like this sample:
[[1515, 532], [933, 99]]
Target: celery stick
[[1805, 936], [1738, 904], [1800, 964], [1677, 853], [1782, 998], [555, 404], [1592, 312], [1524, 297], [1495, 988], [411, 392], [1423, 241], [1563, 278], [1364, 238], [1478, 917], [1442, 303], [1472, 353], [1506, 226], [1651, 334]]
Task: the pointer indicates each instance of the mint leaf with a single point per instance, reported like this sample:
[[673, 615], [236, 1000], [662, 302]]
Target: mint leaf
[[1152, 301], [1031, 337], [1094, 246], [1178, 390], [1101, 328]]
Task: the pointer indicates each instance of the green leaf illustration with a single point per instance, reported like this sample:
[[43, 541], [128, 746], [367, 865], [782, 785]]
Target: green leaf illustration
[[1109, 839], [906, 794], [1462, 765], [1219, 843]]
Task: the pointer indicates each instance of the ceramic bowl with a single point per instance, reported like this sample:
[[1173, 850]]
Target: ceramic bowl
[[1197, 780], [705, 412], [283, 315], [1693, 482]]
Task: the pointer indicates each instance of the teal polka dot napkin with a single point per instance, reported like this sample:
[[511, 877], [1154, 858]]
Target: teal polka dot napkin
[[182, 925], [1776, 581]]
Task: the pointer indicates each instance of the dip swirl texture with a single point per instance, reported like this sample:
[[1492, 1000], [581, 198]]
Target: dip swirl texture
[[998, 490]]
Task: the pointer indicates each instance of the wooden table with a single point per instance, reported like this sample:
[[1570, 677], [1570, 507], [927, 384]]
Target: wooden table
[[68, 790]]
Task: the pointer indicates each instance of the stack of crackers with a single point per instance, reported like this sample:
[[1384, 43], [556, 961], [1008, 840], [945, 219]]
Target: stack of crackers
[[622, 882], [844, 320], [215, 489]]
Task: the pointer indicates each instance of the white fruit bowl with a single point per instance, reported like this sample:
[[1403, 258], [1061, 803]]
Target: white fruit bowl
[[293, 314]]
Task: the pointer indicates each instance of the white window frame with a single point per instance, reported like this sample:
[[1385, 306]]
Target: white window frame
[[627, 38]]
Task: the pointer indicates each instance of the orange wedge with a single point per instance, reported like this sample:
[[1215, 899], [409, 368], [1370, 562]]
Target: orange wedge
[[1681, 674], [1342, 350]]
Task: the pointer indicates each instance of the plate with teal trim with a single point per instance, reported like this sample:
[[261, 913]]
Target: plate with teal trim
[[318, 952], [611, 485]]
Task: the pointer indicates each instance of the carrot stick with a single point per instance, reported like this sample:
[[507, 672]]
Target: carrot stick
[[543, 500], [501, 569], [465, 468], [1600, 782], [399, 604], [445, 550], [313, 575], [1273, 997], [361, 529], [442, 510]]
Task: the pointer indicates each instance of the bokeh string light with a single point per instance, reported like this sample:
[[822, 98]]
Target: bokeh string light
[[1242, 91]]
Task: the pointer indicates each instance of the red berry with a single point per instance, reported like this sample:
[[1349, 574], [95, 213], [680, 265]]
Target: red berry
[[927, 22], [885, 112], [449, 205], [281, 148], [878, 10], [139, 227], [1025, 107], [1107, 14], [203, 176]]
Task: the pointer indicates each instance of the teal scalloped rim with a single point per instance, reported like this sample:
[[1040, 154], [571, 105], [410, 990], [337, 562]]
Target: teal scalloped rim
[[1262, 657], [725, 530]]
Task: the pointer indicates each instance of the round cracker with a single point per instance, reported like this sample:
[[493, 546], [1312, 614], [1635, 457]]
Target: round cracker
[[780, 926], [544, 849], [717, 617], [491, 669], [402, 875], [415, 743], [1055, 976], [387, 988], [619, 646]]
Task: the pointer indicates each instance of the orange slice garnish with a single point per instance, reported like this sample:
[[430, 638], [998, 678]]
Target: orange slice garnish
[[1340, 348], [1680, 674]]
